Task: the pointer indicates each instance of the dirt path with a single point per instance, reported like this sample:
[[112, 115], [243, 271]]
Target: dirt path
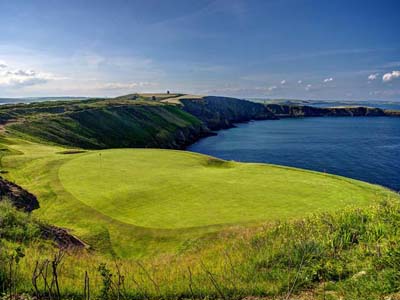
[[3, 128]]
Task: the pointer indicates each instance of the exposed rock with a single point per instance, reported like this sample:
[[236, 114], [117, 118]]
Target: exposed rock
[[62, 237], [19, 197], [222, 112]]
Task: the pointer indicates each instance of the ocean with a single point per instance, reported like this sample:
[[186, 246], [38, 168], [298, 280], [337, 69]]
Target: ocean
[[364, 148]]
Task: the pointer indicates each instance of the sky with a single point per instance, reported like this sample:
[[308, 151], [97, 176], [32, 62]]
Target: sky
[[302, 49]]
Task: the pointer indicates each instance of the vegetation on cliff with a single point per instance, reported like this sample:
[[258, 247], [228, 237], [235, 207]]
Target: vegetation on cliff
[[108, 124]]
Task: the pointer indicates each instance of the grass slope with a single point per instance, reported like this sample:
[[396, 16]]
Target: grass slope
[[350, 254], [142, 202], [108, 124]]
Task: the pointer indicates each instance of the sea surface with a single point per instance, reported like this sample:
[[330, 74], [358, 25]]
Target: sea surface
[[364, 148]]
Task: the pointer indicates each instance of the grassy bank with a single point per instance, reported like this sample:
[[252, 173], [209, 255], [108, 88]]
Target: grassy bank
[[109, 124], [349, 254]]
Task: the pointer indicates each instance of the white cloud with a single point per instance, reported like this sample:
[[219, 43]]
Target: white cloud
[[300, 81], [328, 79], [390, 76], [2, 64], [308, 87], [271, 88], [20, 77], [373, 76], [283, 82]]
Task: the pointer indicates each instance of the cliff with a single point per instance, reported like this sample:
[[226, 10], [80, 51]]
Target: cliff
[[293, 111], [222, 112], [392, 113]]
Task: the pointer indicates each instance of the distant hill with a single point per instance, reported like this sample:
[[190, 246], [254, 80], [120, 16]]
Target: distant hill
[[393, 105], [37, 99], [149, 120]]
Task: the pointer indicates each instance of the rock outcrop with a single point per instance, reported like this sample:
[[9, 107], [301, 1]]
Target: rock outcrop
[[19, 197], [62, 237]]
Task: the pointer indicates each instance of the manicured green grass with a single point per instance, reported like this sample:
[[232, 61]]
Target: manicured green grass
[[141, 202], [176, 189]]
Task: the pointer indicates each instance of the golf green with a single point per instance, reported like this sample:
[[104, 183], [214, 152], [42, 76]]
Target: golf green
[[177, 189]]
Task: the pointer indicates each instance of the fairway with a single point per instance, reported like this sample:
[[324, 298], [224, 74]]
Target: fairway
[[176, 189]]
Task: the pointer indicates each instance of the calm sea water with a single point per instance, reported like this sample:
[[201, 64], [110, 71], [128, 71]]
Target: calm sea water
[[362, 148]]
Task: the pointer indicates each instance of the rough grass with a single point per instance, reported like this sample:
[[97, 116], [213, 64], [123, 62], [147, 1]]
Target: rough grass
[[117, 125], [349, 254], [148, 202]]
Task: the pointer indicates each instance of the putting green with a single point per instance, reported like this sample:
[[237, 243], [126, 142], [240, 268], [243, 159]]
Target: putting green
[[177, 189]]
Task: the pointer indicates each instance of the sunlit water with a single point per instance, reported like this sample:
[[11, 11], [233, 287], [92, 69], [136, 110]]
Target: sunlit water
[[365, 148]]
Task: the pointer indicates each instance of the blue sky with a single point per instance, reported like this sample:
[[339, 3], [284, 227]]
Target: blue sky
[[309, 49]]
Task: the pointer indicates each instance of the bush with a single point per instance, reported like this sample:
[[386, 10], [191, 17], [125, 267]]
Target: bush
[[17, 226]]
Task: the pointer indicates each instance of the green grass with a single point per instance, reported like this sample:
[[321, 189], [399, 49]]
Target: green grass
[[111, 125], [349, 254], [180, 225], [142, 202], [176, 189]]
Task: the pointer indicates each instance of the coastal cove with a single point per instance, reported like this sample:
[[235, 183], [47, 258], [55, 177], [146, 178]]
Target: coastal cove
[[362, 148]]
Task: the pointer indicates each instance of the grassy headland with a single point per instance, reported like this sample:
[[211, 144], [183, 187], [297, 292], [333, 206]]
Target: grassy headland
[[182, 225], [96, 123]]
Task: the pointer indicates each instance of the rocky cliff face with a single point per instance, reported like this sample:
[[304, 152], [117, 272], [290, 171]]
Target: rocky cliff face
[[19, 197], [222, 112], [292, 111]]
